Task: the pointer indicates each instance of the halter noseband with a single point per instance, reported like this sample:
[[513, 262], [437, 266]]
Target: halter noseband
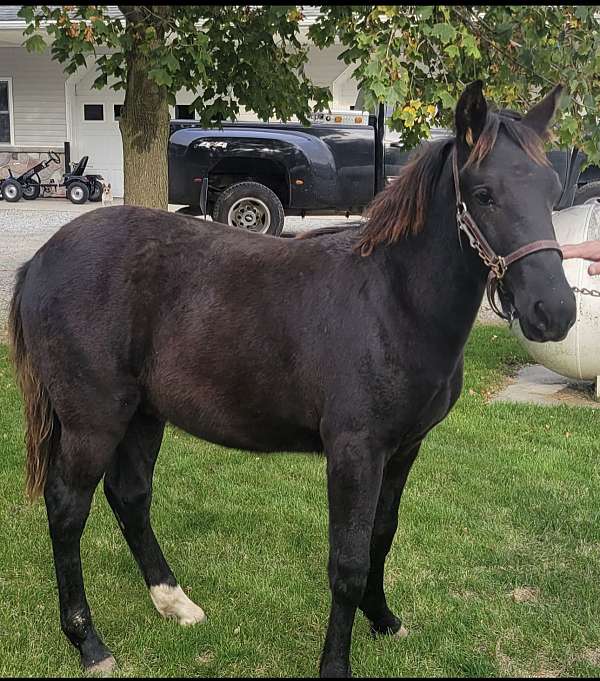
[[498, 264]]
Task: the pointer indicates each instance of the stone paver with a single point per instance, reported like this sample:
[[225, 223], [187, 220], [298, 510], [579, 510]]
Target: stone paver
[[534, 384]]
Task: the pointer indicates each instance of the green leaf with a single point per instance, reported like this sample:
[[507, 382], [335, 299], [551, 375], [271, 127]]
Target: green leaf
[[448, 102], [100, 28], [425, 11], [505, 30], [161, 77], [373, 68], [26, 12], [380, 90], [470, 45], [35, 44], [445, 32], [100, 82], [171, 62]]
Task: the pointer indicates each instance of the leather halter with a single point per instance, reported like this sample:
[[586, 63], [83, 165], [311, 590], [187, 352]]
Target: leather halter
[[498, 264]]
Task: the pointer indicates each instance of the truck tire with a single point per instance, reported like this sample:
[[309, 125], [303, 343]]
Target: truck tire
[[31, 190], [591, 190], [12, 191], [252, 206], [77, 192]]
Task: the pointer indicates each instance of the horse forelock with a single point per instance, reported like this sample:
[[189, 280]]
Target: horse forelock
[[401, 208]]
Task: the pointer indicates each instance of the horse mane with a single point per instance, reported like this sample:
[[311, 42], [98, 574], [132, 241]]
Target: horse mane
[[401, 208]]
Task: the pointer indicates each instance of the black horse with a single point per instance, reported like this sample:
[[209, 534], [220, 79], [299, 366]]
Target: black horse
[[348, 342]]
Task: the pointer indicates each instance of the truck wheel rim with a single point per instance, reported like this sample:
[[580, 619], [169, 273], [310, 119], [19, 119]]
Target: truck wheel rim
[[29, 190], [250, 213], [77, 193], [10, 192]]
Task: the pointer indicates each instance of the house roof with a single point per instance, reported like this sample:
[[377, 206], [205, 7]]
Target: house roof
[[8, 14]]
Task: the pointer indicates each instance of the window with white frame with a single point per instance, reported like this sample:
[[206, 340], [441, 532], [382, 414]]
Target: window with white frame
[[5, 111], [93, 112]]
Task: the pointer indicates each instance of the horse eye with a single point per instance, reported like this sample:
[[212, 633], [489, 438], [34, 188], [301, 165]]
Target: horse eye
[[484, 197]]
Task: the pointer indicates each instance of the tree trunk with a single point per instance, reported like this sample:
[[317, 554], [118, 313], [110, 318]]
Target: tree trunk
[[144, 128]]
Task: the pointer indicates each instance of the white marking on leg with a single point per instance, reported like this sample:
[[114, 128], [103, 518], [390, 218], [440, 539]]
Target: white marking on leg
[[171, 601], [402, 632]]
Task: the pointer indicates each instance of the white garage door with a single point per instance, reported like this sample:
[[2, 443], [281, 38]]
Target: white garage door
[[95, 117]]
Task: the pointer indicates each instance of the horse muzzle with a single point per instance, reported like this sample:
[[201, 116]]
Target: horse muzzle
[[548, 318]]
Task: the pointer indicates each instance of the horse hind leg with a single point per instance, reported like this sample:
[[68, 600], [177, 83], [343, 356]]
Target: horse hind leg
[[75, 468], [128, 488]]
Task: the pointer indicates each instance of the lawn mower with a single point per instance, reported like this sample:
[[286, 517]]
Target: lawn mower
[[79, 187]]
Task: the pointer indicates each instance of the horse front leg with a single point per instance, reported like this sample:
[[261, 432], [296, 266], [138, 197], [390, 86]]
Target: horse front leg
[[354, 472], [374, 605]]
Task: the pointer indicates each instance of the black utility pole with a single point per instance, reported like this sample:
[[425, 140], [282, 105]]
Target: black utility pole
[[379, 150]]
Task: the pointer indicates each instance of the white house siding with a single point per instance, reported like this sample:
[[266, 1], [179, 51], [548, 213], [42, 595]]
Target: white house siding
[[38, 112], [99, 140], [38, 87], [323, 66]]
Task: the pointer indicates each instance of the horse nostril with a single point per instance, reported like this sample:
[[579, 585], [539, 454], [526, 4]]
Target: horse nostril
[[543, 319]]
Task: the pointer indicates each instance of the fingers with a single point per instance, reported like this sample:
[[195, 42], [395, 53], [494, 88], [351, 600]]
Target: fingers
[[574, 250], [594, 268], [590, 250]]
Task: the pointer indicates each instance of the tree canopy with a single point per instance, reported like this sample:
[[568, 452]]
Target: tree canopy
[[418, 59], [230, 55]]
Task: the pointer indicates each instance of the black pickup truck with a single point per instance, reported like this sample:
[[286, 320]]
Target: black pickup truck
[[252, 175]]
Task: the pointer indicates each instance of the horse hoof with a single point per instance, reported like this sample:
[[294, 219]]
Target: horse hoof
[[335, 673], [171, 602], [104, 668], [192, 616], [401, 633], [390, 625]]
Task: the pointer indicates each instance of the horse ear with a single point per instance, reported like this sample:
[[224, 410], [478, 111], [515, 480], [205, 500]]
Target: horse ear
[[541, 115], [471, 114]]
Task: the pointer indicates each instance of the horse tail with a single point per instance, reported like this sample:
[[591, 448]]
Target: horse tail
[[39, 413]]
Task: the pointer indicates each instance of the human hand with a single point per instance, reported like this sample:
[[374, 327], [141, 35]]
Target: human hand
[[588, 250]]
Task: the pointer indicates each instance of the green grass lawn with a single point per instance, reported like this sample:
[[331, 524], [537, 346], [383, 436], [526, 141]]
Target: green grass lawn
[[495, 568]]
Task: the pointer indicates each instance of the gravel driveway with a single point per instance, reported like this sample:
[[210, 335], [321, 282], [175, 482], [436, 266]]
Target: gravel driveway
[[23, 230]]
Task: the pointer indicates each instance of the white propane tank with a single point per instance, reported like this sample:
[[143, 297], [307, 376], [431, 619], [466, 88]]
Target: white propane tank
[[578, 355]]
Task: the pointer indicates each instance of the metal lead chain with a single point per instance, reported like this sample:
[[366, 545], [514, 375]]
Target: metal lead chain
[[586, 291]]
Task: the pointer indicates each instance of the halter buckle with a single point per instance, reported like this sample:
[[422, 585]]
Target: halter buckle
[[499, 267], [463, 225]]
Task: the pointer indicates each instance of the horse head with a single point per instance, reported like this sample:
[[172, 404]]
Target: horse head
[[509, 189]]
